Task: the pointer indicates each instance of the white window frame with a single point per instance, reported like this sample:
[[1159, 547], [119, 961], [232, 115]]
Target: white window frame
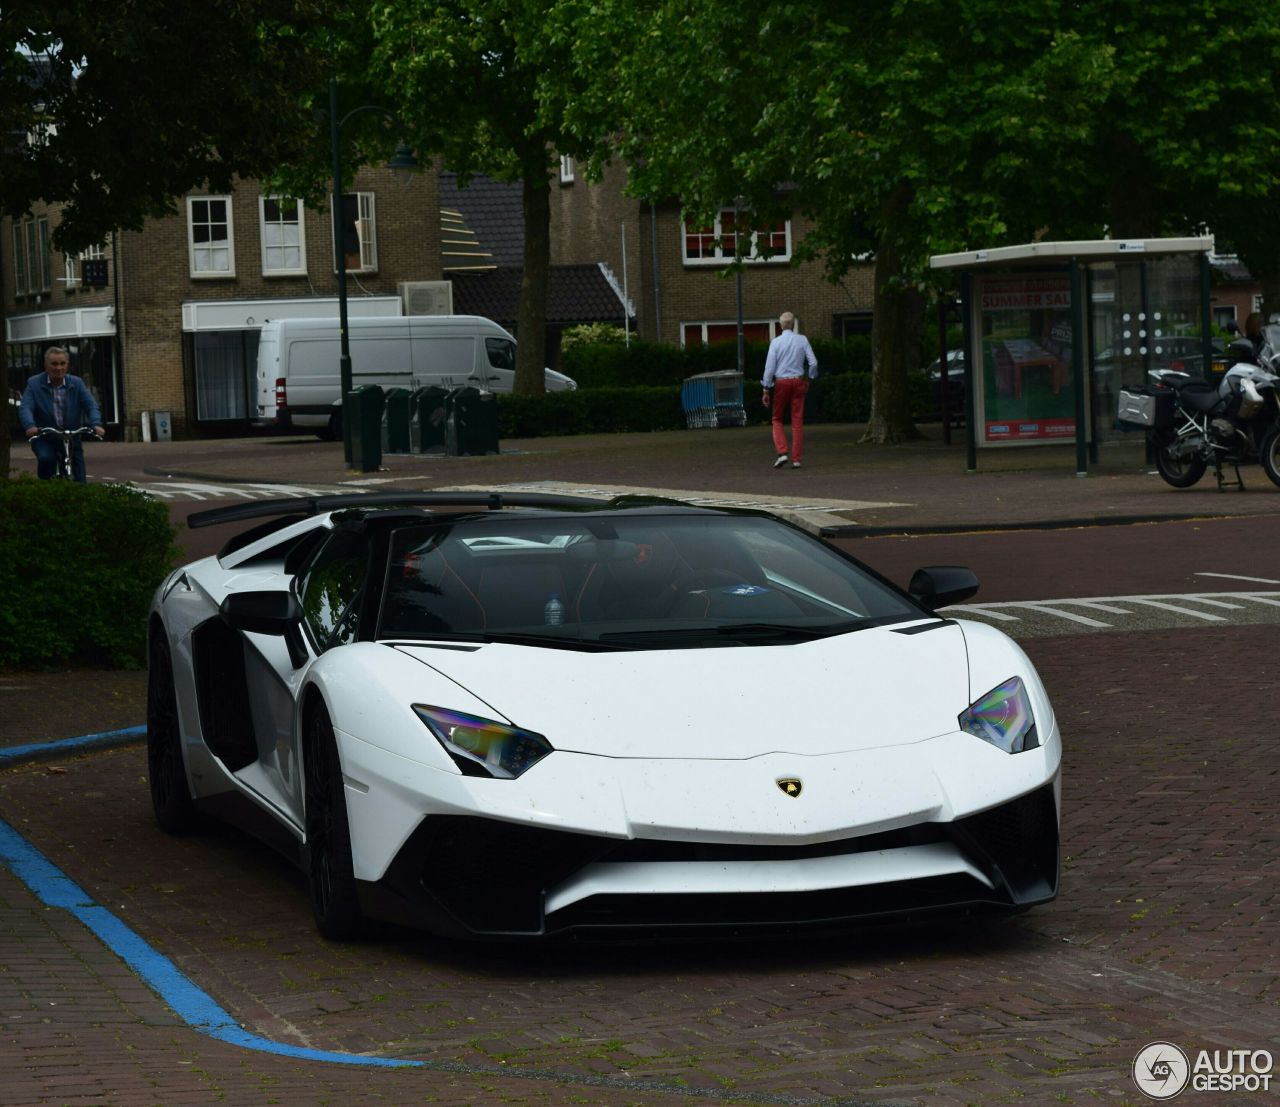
[[772, 324], [268, 270], [720, 257], [32, 261], [568, 169], [210, 274], [21, 275], [90, 253], [366, 230]]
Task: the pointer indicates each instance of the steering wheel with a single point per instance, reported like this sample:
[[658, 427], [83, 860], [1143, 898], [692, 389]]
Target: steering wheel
[[703, 580]]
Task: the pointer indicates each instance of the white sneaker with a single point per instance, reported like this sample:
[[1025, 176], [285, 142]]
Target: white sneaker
[[782, 460], [795, 465]]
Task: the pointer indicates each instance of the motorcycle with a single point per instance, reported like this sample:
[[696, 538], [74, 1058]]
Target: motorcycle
[[1193, 423]]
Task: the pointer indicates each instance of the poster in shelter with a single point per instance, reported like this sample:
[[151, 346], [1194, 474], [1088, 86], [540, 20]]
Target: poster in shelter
[[1025, 392]]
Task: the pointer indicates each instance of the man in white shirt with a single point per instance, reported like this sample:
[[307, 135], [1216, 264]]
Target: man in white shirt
[[790, 366]]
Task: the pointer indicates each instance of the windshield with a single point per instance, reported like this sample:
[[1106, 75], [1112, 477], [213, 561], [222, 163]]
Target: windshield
[[641, 581]]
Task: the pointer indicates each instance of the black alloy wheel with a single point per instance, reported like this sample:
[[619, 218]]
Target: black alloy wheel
[[1269, 454], [1181, 472], [330, 875], [175, 810]]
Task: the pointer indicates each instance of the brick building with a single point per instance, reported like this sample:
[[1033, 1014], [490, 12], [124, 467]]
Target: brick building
[[167, 318], [678, 277]]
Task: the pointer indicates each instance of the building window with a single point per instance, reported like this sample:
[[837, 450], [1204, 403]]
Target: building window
[[284, 241], [718, 243], [711, 333], [32, 264], [1224, 317], [74, 264], [359, 232], [213, 253], [567, 169]]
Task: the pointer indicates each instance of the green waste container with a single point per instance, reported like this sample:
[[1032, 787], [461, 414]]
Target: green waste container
[[362, 412], [471, 426], [395, 421], [426, 430]]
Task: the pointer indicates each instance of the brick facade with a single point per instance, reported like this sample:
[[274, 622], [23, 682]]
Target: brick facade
[[149, 280], [588, 222]]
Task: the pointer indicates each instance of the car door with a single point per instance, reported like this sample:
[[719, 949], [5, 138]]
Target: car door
[[329, 586]]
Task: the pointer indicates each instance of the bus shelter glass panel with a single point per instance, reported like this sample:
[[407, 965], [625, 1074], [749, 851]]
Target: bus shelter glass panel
[[1024, 394], [1144, 316]]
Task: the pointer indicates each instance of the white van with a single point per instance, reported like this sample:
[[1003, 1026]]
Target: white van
[[298, 378]]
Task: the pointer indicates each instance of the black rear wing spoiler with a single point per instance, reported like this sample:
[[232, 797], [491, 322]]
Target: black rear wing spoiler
[[303, 506]]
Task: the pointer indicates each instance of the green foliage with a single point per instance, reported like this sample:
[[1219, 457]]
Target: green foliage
[[135, 104], [586, 334], [593, 411], [78, 566], [652, 363], [835, 398]]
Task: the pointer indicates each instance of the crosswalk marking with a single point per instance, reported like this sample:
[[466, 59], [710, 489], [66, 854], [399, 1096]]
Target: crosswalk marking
[[1032, 617]]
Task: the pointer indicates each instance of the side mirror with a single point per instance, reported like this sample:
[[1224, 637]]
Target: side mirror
[[938, 586], [275, 613]]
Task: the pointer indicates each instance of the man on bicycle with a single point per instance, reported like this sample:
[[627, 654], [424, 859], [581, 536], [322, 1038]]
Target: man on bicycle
[[55, 398]]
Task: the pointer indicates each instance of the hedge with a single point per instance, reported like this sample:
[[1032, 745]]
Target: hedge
[[835, 398], [610, 365], [78, 566]]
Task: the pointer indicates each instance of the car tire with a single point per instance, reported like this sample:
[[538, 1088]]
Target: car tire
[[175, 810], [330, 875], [1269, 455], [332, 430]]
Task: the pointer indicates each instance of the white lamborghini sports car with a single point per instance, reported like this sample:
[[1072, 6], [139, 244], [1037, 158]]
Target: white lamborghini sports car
[[527, 716]]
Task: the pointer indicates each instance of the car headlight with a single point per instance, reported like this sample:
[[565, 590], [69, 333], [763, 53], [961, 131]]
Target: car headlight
[[482, 747], [1003, 718]]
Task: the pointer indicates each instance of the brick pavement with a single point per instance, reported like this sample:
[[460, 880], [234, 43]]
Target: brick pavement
[[926, 479], [1165, 928]]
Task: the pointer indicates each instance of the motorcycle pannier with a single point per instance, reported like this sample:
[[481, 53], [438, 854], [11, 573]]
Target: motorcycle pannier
[[1146, 407]]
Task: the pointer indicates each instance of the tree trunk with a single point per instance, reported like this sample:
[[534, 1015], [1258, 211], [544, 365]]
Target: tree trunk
[[897, 335], [531, 318]]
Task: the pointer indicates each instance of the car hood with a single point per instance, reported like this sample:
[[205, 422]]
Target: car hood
[[862, 690]]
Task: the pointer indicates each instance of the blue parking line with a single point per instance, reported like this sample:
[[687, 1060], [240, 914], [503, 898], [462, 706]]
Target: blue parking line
[[72, 745], [199, 1010], [52, 887]]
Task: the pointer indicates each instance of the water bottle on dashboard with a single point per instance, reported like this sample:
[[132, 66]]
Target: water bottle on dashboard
[[553, 613]]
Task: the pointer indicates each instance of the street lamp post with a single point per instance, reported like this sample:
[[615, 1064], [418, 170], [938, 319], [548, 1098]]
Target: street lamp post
[[403, 163]]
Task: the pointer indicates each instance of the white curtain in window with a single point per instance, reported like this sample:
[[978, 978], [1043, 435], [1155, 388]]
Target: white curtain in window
[[222, 375]]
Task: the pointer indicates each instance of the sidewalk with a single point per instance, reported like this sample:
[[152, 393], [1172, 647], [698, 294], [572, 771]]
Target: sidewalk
[[916, 487]]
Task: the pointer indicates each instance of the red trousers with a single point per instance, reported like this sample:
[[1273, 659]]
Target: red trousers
[[789, 393]]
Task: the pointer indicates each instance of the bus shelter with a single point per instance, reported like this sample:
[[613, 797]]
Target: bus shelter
[[1052, 330]]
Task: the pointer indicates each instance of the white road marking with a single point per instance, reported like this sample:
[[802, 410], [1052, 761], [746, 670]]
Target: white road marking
[[1205, 615], [197, 490], [1175, 604], [1237, 576], [1096, 606], [1070, 616]]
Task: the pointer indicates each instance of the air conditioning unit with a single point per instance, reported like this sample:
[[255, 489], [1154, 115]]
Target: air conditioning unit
[[427, 297]]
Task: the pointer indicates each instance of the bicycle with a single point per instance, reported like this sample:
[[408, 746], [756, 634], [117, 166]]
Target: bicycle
[[64, 436]]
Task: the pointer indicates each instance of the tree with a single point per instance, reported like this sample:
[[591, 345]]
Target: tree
[[490, 85], [114, 111], [902, 128], [911, 127]]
